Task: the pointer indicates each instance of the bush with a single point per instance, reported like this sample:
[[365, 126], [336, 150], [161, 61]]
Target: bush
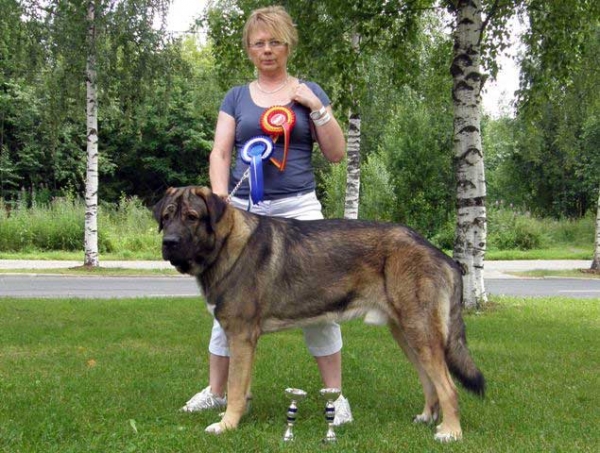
[[59, 226], [50, 227], [508, 229]]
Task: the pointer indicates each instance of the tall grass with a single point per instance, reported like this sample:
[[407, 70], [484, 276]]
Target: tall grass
[[128, 231], [509, 229]]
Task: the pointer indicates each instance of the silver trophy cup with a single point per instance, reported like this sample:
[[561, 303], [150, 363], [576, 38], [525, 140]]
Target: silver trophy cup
[[330, 395], [295, 396]]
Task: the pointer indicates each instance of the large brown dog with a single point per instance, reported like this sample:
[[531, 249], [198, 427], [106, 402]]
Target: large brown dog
[[263, 274]]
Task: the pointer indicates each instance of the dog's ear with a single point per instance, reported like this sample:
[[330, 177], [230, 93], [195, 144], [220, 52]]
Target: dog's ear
[[158, 207], [216, 205]]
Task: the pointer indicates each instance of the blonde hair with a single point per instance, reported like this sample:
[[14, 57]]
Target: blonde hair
[[275, 20]]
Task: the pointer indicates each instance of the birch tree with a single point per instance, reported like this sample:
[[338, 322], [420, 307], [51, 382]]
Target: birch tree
[[353, 151], [119, 37], [91, 258], [471, 229]]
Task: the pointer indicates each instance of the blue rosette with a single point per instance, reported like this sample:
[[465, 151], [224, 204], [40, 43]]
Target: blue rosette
[[253, 153]]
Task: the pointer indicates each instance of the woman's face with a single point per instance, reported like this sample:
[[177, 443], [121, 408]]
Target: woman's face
[[268, 54]]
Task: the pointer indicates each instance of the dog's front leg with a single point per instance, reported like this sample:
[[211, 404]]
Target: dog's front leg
[[238, 384]]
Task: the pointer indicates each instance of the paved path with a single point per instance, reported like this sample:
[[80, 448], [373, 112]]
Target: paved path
[[35, 284], [493, 269]]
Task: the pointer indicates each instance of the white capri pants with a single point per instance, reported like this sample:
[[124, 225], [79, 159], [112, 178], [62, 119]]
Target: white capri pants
[[321, 339]]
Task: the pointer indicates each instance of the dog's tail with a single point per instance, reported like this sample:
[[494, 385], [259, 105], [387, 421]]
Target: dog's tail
[[458, 357]]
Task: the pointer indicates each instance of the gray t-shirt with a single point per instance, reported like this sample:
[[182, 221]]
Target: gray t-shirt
[[298, 176]]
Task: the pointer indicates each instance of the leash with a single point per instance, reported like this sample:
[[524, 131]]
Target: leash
[[238, 185]]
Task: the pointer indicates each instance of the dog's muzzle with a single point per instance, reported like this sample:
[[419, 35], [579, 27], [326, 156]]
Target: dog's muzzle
[[171, 249], [171, 241]]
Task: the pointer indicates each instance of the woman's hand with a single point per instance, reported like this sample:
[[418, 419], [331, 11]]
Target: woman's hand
[[302, 94]]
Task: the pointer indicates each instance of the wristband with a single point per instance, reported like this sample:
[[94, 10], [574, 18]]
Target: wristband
[[323, 121], [318, 114]]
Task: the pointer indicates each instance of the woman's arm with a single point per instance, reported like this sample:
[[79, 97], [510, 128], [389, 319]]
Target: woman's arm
[[220, 156], [329, 136]]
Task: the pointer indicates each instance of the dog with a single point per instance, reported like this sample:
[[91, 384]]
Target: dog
[[263, 274]]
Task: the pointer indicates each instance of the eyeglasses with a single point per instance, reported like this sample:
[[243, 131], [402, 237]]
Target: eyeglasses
[[273, 44]]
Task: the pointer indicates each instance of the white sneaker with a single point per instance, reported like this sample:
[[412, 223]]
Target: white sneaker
[[205, 400], [343, 414]]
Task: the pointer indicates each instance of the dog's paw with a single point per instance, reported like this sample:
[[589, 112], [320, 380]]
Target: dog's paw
[[445, 435], [425, 419], [215, 428]]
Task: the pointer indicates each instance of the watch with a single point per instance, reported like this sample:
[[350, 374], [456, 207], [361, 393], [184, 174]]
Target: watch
[[316, 114]]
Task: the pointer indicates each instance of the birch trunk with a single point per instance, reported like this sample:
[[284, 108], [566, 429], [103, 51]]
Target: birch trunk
[[91, 186], [470, 243], [353, 170], [353, 150], [596, 260]]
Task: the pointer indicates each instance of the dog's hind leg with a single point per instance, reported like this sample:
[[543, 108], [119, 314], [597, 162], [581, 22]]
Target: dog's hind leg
[[427, 346], [242, 350], [430, 412]]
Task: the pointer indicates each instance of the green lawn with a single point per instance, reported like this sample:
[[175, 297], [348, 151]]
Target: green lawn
[[110, 376]]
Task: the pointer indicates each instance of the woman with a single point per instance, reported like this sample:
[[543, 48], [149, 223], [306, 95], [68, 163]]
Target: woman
[[269, 38]]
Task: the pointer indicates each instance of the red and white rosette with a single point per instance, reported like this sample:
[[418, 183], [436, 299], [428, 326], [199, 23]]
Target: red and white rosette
[[276, 121]]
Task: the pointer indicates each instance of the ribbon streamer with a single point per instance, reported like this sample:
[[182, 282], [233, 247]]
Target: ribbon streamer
[[253, 153], [276, 121]]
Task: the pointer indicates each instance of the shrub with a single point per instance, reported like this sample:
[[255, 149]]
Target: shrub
[[59, 225], [508, 229]]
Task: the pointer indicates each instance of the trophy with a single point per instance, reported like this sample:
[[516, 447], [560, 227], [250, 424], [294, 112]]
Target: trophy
[[295, 396], [330, 395]]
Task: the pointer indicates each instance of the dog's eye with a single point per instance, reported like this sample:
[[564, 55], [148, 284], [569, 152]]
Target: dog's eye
[[191, 216], [165, 216]]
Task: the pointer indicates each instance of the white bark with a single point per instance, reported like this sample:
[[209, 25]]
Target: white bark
[[353, 151], [596, 260], [91, 186], [470, 244], [353, 170]]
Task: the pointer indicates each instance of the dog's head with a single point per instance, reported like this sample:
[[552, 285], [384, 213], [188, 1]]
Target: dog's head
[[189, 218]]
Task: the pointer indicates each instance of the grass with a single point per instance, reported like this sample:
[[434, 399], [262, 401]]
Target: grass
[[96, 271], [552, 253], [574, 273], [110, 375]]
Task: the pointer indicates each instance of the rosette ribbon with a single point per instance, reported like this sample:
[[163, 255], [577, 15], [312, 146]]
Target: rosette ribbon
[[253, 153], [276, 121]]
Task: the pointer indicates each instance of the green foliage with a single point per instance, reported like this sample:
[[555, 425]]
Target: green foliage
[[130, 229], [554, 166], [168, 142], [58, 226], [94, 371], [378, 200], [416, 150], [158, 101], [334, 191], [509, 229], [127, 228], [325, 53], [557, 46]]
